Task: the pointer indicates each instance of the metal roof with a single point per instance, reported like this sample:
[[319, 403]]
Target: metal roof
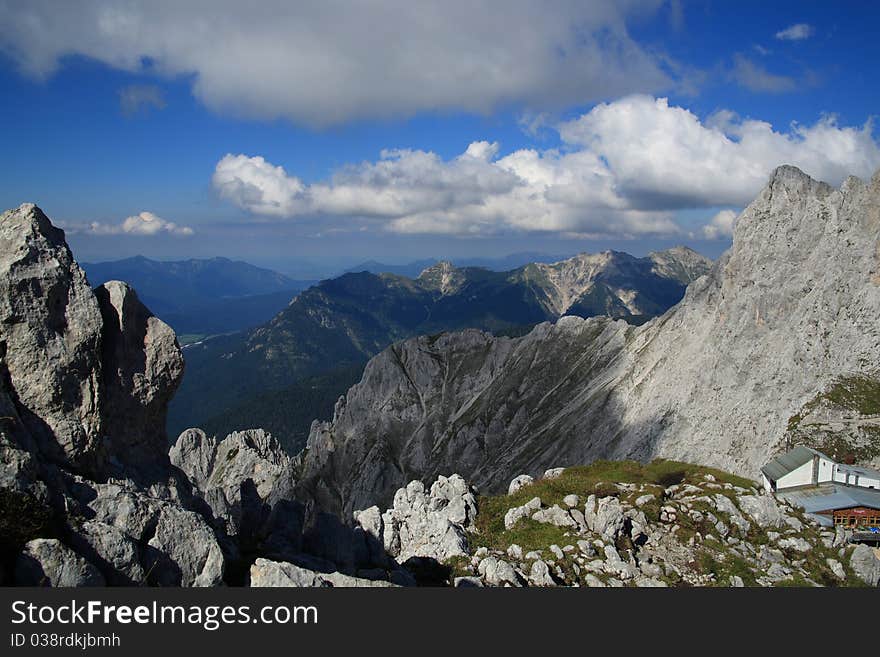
[[790, 461], [831, 496]]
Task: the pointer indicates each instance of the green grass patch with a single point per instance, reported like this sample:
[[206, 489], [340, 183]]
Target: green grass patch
[[595, 479], [857, 393]]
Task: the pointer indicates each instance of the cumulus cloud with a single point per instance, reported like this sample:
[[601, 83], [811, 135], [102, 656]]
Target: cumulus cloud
[[796, 32], [142, 224], [755, 77], [624, 169], [140, 97], [322, 63], [720, 226], [666, 156]]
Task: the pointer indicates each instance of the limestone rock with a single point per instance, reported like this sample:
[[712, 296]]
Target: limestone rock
[[431, 524], [91, 372], [763, 509], [114, 553], [518, 482], [515, 514], [142, 367], [539, 575], [240, 478], [50, 337], [865, 564], [604, 516], [497, 572], [48, 562], [184, 551], [266, 573]]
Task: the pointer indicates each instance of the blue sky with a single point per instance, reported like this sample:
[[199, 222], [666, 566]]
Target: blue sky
[[310, 138]]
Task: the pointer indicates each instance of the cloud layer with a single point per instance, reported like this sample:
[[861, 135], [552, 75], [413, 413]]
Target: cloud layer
[[330, 62], [142, 224], [624, 168]]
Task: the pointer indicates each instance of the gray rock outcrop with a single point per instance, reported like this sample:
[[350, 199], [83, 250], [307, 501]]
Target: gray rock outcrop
[[866, 564], [48, 562], [90, 373], [241, 478], [266, 573], [429, 524]]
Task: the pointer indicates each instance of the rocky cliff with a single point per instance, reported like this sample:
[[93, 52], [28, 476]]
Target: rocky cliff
[[790, 309]]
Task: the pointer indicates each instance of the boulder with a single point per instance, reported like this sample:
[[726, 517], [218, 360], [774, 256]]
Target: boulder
[[865, 564], [432, 524], [266, 573], [539, 574], [519, 482], [604, 516], [497, 572], [114, 553], [183, 550], [554, 515], [48, 562], [515, 514], [763, 509]]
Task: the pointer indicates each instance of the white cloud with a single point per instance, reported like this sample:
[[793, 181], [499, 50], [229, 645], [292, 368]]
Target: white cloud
[[664, 156], [140, 97], [796, 32], [142, 224], [322, 63], [623, 170], [720, 226]]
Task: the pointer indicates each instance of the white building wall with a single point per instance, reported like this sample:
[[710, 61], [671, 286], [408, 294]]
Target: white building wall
[[840, 475], [801, 476], [826, 470]]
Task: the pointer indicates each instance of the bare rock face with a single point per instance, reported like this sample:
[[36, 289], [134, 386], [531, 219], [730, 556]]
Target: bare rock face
[[866, 565], [48, 562], [50, 337], [791, 307], [247, 480], [266, 573], [422, 524], [89, 373], [185, 550], [142, 367]]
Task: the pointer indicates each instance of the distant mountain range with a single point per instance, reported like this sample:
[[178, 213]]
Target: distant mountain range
[[202, 297], [340, 323], [413, 269]]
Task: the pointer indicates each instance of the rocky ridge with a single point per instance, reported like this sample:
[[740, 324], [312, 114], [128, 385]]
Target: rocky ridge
[[788, 310]]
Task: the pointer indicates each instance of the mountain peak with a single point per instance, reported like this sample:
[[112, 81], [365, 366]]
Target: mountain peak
[[25, 222], [443, 276]]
